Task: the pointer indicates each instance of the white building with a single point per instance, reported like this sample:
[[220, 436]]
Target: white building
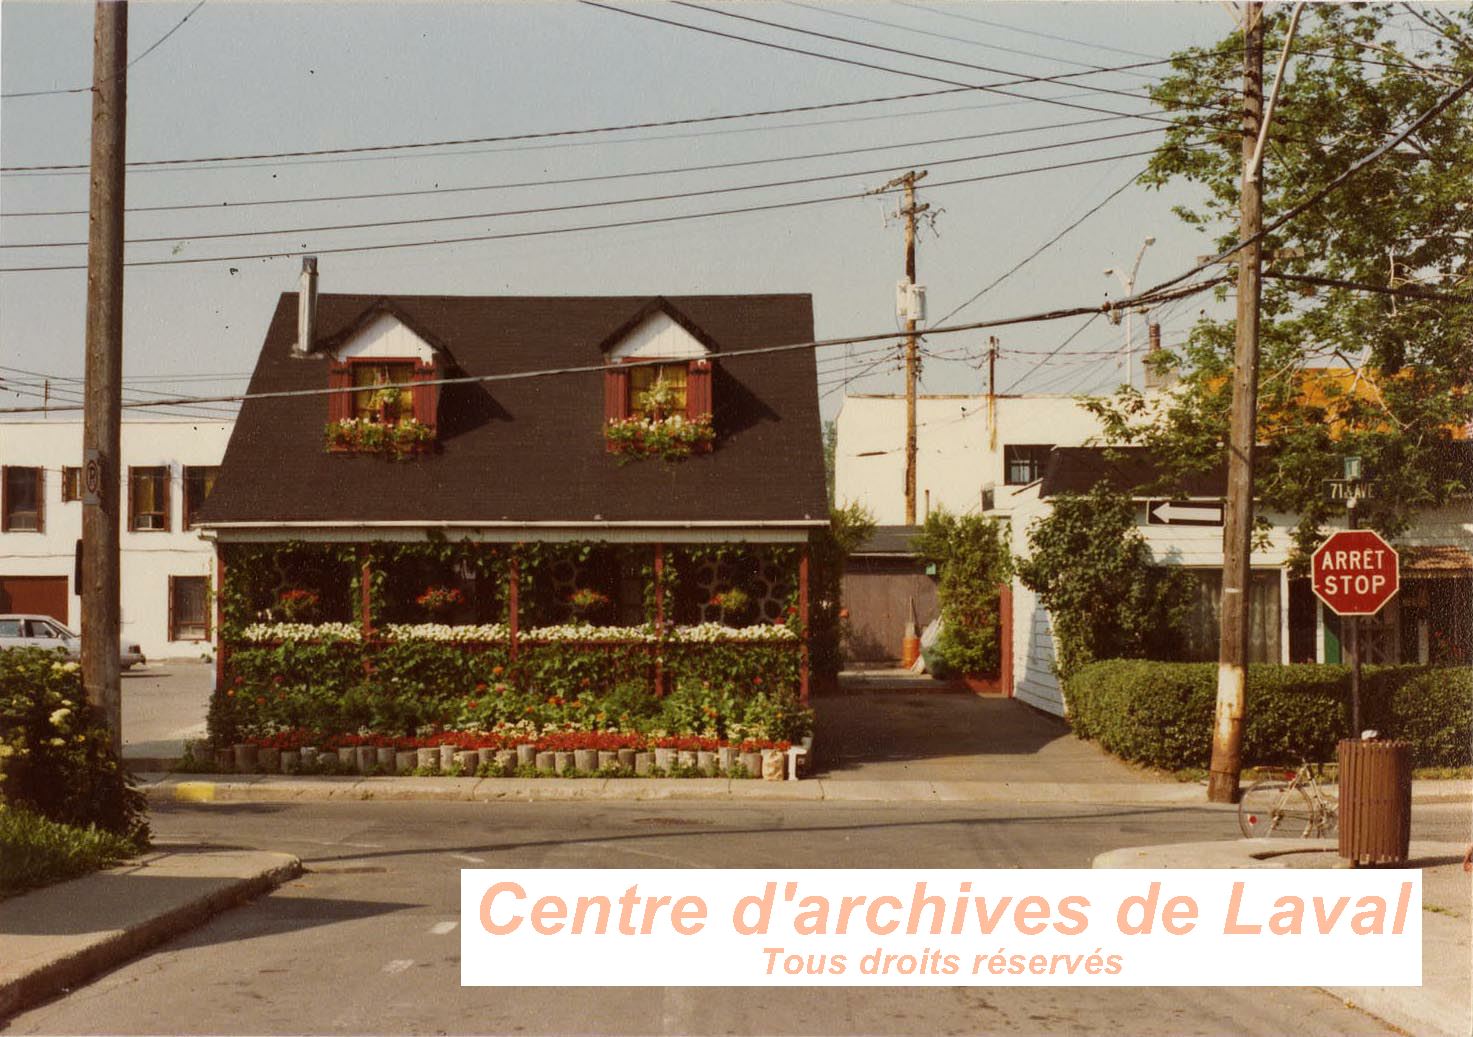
[[964, 445], [168, 468]]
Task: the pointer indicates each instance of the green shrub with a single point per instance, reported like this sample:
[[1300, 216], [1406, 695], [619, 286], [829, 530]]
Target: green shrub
[[56, 755], [1161, 714], [971, 556], [35, 851]]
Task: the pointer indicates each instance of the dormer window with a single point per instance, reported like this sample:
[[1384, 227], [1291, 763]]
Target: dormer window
[[383, 391], [658, 390]]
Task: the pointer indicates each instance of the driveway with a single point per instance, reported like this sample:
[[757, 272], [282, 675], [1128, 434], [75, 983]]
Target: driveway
[[163, 704], [937, 731]]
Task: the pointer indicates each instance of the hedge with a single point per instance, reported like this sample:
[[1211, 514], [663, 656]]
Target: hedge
[[1161, 714]]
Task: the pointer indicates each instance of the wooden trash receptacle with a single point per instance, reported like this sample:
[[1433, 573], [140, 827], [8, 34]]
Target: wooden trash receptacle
[[1375, 801]]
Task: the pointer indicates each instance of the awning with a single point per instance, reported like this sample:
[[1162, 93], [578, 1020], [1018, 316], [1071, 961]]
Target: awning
[[1436, 560]]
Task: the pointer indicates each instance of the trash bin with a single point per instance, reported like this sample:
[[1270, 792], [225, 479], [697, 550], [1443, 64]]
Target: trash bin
[[1375, 801]]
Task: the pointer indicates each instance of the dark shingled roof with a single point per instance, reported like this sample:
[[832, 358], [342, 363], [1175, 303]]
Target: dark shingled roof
[[1077, 469], [532, 449], [890, 540]]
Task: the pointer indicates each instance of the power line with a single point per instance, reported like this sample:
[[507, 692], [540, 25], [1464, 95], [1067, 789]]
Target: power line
[[1026, 32], [89, 87], [1052, 353], [550, 231], [547, 134], [377, 195], [1031, 318], [575, 206]]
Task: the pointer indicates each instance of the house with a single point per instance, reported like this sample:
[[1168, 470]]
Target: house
[[973, 453], [506, 466], [168, 471], [1430, 620]]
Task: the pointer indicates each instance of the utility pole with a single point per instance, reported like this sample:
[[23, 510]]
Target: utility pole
[[992, 392], [1232, 666], [103, 409], [909, 211]]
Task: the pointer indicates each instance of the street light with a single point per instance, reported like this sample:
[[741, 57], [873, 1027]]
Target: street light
[[1129, 285]]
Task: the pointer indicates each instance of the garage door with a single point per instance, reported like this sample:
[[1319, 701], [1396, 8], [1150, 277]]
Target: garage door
[[41, 595], [878, 597]]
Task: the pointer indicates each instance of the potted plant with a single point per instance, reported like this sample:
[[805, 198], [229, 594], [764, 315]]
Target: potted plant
[[585, 602], [733, 604], [298, 604], [438, 601]]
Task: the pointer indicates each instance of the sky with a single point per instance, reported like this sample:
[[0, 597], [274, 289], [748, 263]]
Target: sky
[[238, 79]]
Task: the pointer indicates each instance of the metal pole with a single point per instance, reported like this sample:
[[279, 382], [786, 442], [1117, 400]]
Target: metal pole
[[1232, 666], [103, 409], [1352, 640]]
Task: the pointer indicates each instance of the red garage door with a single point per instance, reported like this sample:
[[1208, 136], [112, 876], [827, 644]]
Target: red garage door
[[39, 595]]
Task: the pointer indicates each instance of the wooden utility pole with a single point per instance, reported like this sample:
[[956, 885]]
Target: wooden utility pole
[[909, 211], [103, 409], [992, 392], [1232, 666]]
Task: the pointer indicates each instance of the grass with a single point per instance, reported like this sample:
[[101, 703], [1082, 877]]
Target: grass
[[36, 852], [1327, 774]]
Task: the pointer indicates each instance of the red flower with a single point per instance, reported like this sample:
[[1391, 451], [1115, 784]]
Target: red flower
[[756, 680], [480, 685], [470, 703], [260, 700]]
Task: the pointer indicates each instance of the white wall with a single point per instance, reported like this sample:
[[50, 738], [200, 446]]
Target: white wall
[[148, 559], [957, 453]]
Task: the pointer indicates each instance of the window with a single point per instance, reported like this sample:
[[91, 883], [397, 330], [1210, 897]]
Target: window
[[189, 608], [10, 628], [148, 499], [42, 629], [1204, 631], [1024, 462], [383, 392], [71, 484], [199, 481], [643, 378], [21, 511]]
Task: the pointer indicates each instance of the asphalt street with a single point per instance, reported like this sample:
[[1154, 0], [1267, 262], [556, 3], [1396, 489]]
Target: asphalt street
[[367, 940], [164, 703]]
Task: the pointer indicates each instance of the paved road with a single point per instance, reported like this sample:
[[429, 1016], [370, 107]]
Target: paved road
[[366, 941], [163, 704]]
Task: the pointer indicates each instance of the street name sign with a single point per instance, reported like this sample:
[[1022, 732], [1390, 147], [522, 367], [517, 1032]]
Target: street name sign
[[1350, 489], [1355, 572], [1184, 513]]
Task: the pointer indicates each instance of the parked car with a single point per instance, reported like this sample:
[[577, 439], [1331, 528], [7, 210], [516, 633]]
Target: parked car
[[21, 631]]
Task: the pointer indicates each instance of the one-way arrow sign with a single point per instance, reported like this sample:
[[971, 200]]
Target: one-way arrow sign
[[1178, 513]]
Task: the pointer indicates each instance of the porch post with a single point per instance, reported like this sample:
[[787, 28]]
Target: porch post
[[803, 618], [219, 616], [659, 618], [365, 589], [1005, 637], [513, 588]]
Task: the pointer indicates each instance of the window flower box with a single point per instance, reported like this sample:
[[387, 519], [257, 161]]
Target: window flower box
[[364, 436], [668, 438]]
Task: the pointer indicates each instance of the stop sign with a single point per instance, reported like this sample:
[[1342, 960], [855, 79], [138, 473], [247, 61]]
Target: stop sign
[[1355, 572]]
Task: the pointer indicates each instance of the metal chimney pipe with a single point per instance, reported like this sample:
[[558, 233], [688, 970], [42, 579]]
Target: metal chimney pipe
[[306, 307], [1155, 330]]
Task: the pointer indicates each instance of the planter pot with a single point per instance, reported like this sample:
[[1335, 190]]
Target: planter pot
[[224, 761], [347, 757], [753, 764], [366, 758], [546, 762], [706, 763], [291, 761], [427, 759], [774, 765], [526, 755], [687, 758], [246, 759], [626, 759], [506, 761], [586, 760], [270, 760], [485, 758], [607, 758], [385, 758], [309, 756], [562, 762], [727, 758], [405, 760], [447, 757], [644, 763], [468, 760], [665, 758]]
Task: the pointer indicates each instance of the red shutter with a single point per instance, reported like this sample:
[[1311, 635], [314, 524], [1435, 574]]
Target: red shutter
[[616, 393], [426, 397], [167, 478], [698, 389], [339, 404]]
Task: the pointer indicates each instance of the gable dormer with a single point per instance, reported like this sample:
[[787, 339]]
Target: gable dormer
[[658, 352], [391, 369]]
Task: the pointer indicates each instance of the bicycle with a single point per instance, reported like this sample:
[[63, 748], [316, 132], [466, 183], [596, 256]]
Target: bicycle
[[1295, 806]]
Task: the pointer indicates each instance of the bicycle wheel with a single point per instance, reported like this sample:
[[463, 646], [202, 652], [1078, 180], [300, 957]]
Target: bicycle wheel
[[1271, 808], [1329, 816]]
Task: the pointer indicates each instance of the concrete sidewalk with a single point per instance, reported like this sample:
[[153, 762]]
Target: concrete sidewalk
[[1443, 1004], [271, 788], [58, 937]]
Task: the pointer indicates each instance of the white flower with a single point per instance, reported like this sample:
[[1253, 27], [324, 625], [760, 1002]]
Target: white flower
[[58, 716], [57, 742], [301, 632]]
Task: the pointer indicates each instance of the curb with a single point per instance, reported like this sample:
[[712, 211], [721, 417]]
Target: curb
[[106, 950]]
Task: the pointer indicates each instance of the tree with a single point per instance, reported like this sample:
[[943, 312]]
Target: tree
[[1403, 226], [972, 560], [1092, 570]]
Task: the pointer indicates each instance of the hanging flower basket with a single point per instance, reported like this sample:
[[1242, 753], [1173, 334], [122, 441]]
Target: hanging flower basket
[[439, 600]]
